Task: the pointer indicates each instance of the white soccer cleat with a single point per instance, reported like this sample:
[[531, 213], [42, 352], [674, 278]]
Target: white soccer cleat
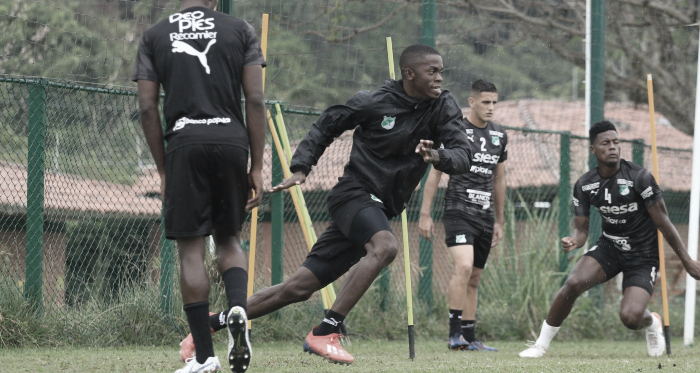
[[534, 350], [239, 350], [192, 366], [656, 342]]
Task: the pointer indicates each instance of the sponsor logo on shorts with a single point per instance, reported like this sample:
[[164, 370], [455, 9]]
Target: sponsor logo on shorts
[[575, 201], [460, 238], [648, 192], [388, 123], [653, 276], [480, 197]]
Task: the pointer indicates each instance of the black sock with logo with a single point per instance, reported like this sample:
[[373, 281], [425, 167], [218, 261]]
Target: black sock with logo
[[330, 324], [468, 330], [455, 322], [217, 321]]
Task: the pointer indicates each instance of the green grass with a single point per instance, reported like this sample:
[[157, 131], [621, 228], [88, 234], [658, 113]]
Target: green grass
[[370, 356]]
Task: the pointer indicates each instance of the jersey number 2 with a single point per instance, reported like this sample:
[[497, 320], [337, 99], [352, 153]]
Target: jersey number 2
[[483, 144]]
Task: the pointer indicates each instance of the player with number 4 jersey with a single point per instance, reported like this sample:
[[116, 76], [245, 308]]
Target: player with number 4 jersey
[[632, 208]]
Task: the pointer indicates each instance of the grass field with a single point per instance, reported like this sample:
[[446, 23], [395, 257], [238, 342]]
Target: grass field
[[370, 356]]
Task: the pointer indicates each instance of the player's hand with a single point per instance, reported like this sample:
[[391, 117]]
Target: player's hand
[[297, 179], [426, 151], [162, 187], [693, 269], [255, 191], [426, 227], [497, 234], [568, 244]]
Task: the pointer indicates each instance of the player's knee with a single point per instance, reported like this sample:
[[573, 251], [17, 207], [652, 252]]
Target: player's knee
[[474, 282], [631, 318], [297, 292], [463, 270], [383, 247], [574, 286]]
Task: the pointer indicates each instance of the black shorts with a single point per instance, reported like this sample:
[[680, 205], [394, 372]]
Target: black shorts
[[638, 267], [340, 247], [464, 228], [206, 189]]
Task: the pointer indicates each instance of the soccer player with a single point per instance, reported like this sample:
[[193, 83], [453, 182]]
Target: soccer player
[[470, 203], [632, 208], [203, 58], [395, 130]]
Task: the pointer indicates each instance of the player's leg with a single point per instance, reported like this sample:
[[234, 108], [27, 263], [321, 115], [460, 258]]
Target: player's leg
[[638, 287], [463, 261], [187, 210], [586, 274], [482, 249], [369, 234]]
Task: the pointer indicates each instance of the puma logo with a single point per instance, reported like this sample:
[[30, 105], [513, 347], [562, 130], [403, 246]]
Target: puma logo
[[182, 47]]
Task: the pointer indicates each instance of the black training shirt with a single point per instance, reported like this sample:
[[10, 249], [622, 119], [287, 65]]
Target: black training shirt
[[198, 56], [388, 125], [622, 201], [473, 191]]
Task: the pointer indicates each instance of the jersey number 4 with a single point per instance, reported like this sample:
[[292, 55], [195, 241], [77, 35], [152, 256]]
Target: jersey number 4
[[608, 196]]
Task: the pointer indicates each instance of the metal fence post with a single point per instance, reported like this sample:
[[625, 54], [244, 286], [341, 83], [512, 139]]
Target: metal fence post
[[277, 223], [35, 194], [638, 152], [564, 192]]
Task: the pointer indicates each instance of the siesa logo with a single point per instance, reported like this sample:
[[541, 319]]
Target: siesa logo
[[617, 210], [486, 158], [388, 123], [648, 192]]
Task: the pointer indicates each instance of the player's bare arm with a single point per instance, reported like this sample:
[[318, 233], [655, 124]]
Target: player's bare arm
[[499, 197], [152, 126], [659, 215], [297, 179], [578, 237], [255, 122], [425, 223], [426, 151]]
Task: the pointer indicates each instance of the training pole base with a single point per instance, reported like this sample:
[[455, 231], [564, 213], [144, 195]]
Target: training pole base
[[667, 336], [411, 343]]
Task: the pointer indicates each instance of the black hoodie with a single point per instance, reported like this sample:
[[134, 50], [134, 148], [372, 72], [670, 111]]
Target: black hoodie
[[388, 126]]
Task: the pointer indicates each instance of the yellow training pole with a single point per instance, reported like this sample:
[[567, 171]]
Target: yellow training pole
[[254, 215], [297, 205], [404, 228], [282, 129], [662, 264]]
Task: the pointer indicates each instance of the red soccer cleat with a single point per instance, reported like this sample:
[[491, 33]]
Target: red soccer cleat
[[187, 345], [327, 347]]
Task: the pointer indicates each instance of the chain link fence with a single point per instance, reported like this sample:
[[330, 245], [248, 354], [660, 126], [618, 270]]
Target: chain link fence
[[80, 211]]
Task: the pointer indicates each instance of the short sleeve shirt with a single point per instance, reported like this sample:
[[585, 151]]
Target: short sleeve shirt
[[622, 201], [473, 190], [198, 55]]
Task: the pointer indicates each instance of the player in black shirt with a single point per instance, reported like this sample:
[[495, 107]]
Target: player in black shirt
[[632, 208], [395, 130], [202, 59], [470, 202]]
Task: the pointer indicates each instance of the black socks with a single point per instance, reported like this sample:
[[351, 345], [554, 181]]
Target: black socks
[[217, 321], [330, 324], [455, 322], [236, 285], [198, 320], [468, 330]]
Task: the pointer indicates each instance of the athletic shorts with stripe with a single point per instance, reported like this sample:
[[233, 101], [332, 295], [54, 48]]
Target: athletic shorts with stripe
[[638, 268], [465, 228], [206, 189]]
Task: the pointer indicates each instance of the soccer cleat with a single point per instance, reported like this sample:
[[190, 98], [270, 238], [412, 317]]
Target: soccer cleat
[[239, 351], [477, 345], [534, 350], [187, 345], [457, 342], [327, 347], [192, 366], [655, 339]]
